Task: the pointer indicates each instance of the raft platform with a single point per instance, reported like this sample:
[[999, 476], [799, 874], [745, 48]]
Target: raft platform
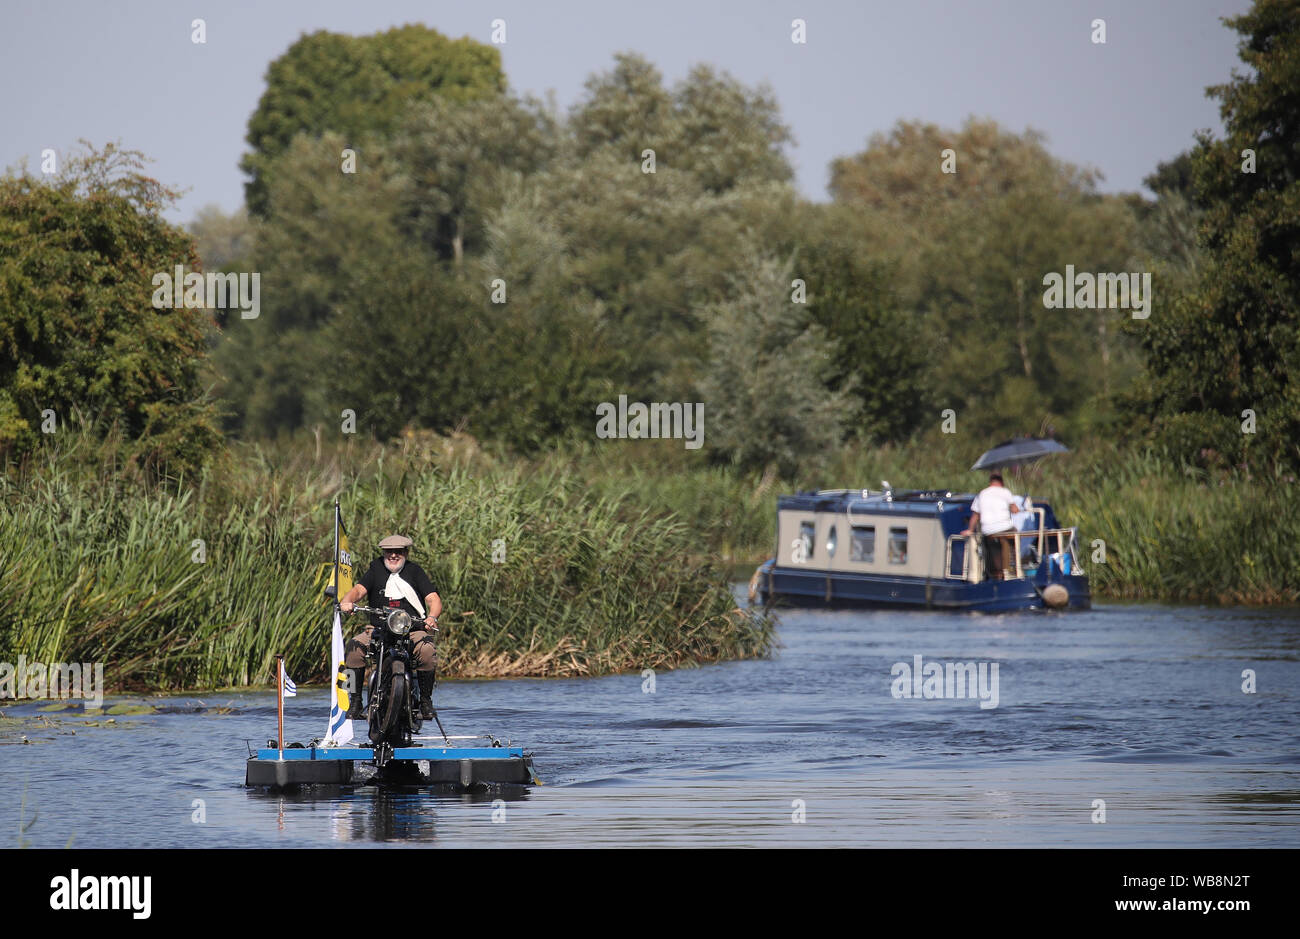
[[465, 767]]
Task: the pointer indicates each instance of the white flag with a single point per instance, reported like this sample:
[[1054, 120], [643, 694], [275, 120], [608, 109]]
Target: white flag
[[340, 726], [290, 690]]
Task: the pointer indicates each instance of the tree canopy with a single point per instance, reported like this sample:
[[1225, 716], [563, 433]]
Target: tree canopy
[[970, 248], [361, 87], [79, 335], [1223, 356]]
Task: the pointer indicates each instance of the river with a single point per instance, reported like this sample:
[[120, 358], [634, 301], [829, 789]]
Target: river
[[1126, 726]]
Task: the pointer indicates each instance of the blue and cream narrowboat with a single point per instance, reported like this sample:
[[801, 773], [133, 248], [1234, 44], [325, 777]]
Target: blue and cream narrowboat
[[905, 549]]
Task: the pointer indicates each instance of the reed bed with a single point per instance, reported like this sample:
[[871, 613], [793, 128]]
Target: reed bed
[[1170, 531], [99, 565], [613, 552], [1178, 533]]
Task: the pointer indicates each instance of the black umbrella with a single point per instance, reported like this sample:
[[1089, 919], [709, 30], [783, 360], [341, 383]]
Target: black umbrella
[[1020, 450]]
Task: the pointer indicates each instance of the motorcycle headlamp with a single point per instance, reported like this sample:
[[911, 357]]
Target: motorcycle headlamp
[[399, 622]]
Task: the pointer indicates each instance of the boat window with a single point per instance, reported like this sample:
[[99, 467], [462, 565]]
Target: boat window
[[863, 547], [808, 534], [830, 542], [898, 546]]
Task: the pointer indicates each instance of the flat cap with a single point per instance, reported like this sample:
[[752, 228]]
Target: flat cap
[[393, 542]]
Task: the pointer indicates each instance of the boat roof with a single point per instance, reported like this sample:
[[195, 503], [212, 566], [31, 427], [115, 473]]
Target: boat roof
[[926, 502], [950, 507]]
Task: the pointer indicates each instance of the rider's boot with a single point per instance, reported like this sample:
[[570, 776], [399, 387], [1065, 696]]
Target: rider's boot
[[356, 682], [426, 695]]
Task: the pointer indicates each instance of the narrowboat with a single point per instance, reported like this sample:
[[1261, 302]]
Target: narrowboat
[[905, 549]]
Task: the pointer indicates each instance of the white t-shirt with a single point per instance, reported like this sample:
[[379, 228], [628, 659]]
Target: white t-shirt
[[993, 505]]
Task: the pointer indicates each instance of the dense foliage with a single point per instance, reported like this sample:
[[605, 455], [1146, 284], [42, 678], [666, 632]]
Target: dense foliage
[[80, 340], [359, 87], [1222, 380], [177, 587]]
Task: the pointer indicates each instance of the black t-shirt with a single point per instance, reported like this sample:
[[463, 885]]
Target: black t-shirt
[[375, 579]]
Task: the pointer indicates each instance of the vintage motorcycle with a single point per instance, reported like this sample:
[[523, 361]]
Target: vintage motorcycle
[[392, 708]]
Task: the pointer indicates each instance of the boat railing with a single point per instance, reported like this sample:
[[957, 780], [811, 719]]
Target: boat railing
[[1051, 543], [966, 555], [1058, 544]]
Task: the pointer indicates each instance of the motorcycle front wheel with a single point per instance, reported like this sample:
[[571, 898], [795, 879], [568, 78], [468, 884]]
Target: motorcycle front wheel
[[393, 707]]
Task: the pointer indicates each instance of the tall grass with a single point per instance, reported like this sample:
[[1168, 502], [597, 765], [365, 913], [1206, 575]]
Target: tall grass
[[612, 551], [1177, 533], [1167, 531], [98, 566]]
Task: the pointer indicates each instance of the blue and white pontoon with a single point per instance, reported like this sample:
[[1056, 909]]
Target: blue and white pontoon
[[469, 763], [905, 549]]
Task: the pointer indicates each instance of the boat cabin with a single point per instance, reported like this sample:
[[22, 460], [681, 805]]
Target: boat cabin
[[906, 546]]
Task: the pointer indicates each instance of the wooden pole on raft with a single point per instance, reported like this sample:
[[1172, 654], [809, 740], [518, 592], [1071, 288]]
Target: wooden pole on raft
[[279, 702]]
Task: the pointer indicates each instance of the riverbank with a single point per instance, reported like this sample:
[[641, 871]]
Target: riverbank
[[198, 584], [1148, 529], [592, 559]]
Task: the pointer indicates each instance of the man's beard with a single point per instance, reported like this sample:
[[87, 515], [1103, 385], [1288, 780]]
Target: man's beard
[[394, 570]]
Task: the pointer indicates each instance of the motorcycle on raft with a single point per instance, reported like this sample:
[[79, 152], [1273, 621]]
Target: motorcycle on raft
[[393, 699]]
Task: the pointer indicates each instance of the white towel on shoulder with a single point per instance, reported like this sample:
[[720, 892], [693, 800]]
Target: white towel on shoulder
[[398, 589]]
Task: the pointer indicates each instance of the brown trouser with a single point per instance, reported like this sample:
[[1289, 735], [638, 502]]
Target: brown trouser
[[997, 554], [355, 650]]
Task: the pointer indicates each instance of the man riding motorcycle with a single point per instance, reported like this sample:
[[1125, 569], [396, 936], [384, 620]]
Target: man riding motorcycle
[[393, 581]]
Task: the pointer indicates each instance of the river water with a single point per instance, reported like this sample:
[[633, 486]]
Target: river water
[[1126, 726]]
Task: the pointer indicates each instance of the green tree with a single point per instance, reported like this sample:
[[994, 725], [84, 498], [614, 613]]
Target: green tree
[[1232, 344], [542, 359], [1173, 177], [360, 87], [971, 249], [459, 157], [330, 239], [78, 329], [1168, 228], [880, 348], [607, 269], [729, 134], [364, 316], [767, 395], [225, 242], [653, 249], [626, 109], [709, 124]]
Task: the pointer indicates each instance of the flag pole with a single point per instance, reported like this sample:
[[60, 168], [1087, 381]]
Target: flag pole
[[279, 702], [334, 679], [337, 598]]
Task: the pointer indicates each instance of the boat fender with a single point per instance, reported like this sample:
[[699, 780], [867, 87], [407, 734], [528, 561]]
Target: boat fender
[[1055, 596]]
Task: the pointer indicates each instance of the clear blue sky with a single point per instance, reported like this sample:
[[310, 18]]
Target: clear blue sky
[[128, 71]]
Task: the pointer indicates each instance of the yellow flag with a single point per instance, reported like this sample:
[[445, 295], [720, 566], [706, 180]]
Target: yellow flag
[[343, 561]]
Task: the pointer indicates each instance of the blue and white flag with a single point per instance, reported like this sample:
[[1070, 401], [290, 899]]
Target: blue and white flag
[[340, 726], [289, 690]]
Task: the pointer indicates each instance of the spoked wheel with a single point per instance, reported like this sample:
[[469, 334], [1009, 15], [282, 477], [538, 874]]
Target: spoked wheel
[[380, 707], [393, 707]]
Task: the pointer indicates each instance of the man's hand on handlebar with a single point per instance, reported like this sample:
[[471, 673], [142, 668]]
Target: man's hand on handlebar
[[346, 606], [432, 622]]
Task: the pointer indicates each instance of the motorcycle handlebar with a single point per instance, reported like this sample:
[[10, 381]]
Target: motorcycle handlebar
[[380, 611]]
